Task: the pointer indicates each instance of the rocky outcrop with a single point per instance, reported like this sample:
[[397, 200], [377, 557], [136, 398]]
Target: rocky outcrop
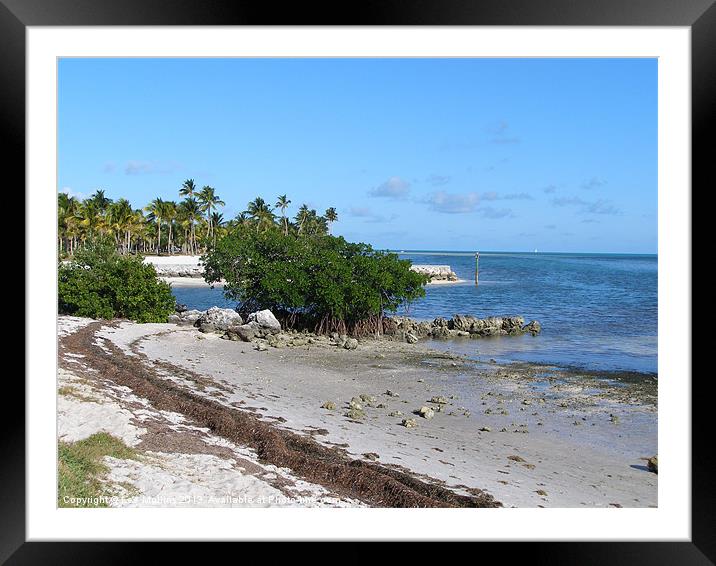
[[176, 266], [266, 321], [218, 320], [436, 272], [265, 327], [185, 317], [409, 330]]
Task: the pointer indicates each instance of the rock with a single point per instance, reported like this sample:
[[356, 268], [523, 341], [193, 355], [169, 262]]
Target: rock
[[436, 272], [409, 423], [411, 338], [512, 324], [440, 322], [356, 403], [218, 320], [426, 412], [355, 414], [244, 332], [368, 400], [485, 429], [266, 321], [614, 419], [329, 405], [653, 464], [395, 414], [261, 346], [439, 399], [440, 332], [526, 402], [390, 393], [533, 327], [180, 308], [185, 317], [350, 344]]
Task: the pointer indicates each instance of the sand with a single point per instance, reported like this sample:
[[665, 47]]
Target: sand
[[542, 459]]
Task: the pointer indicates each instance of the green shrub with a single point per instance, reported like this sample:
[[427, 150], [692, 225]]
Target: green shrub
[[100, 283], [321, 280]]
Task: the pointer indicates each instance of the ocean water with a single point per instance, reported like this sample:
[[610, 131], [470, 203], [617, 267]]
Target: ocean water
[[598, 311]]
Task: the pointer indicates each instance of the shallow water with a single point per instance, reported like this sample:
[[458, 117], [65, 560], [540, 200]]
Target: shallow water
[[597, 311]]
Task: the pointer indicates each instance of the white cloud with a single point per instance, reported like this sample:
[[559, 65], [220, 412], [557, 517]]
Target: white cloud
[[394, 188], [453, 203]]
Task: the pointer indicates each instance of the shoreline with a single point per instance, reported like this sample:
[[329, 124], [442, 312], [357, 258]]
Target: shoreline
[[191, 281], [461, 448]]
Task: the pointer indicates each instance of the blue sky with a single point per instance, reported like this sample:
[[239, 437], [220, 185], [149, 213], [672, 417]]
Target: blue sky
[[441, 154]]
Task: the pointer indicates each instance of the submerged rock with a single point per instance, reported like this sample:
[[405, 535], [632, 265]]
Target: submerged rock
[[533, 327], [404, 328]]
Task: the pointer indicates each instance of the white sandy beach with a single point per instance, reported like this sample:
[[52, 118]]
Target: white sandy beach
[[557, 445]]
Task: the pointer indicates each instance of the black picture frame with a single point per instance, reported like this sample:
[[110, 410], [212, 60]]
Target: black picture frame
[[699, 15]]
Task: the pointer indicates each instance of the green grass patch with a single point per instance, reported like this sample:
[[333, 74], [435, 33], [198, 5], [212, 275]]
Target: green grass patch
[[81, 468]]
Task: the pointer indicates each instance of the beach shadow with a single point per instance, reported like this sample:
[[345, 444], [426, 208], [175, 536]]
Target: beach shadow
[[640, 467]]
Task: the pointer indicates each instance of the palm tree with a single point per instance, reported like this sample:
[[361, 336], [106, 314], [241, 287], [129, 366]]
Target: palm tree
[[260, 212], [302, 216], [119, 216], [331, 216], [88, 218], [191, 209], [217, 224], [170, 214], [101, 201], [188, 189], [66, 220], [209, 203], [155, 210], [283, 203], [138, 226]]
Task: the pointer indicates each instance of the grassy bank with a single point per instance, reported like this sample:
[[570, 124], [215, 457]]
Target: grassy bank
[[80, 469]]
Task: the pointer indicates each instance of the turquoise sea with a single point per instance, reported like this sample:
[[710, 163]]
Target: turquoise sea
[[598, 311]]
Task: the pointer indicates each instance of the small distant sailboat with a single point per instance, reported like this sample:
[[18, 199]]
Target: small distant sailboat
[[535, 250]]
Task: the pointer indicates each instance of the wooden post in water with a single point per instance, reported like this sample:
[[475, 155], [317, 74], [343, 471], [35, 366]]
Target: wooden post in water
[[477, 268]]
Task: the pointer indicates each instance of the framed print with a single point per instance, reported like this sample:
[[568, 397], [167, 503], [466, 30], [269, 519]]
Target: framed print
[[423, 274]]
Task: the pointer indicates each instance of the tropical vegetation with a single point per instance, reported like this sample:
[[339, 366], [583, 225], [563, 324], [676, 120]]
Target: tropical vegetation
[[190, 226], [319, 281], [101, 283], [293, 266]]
